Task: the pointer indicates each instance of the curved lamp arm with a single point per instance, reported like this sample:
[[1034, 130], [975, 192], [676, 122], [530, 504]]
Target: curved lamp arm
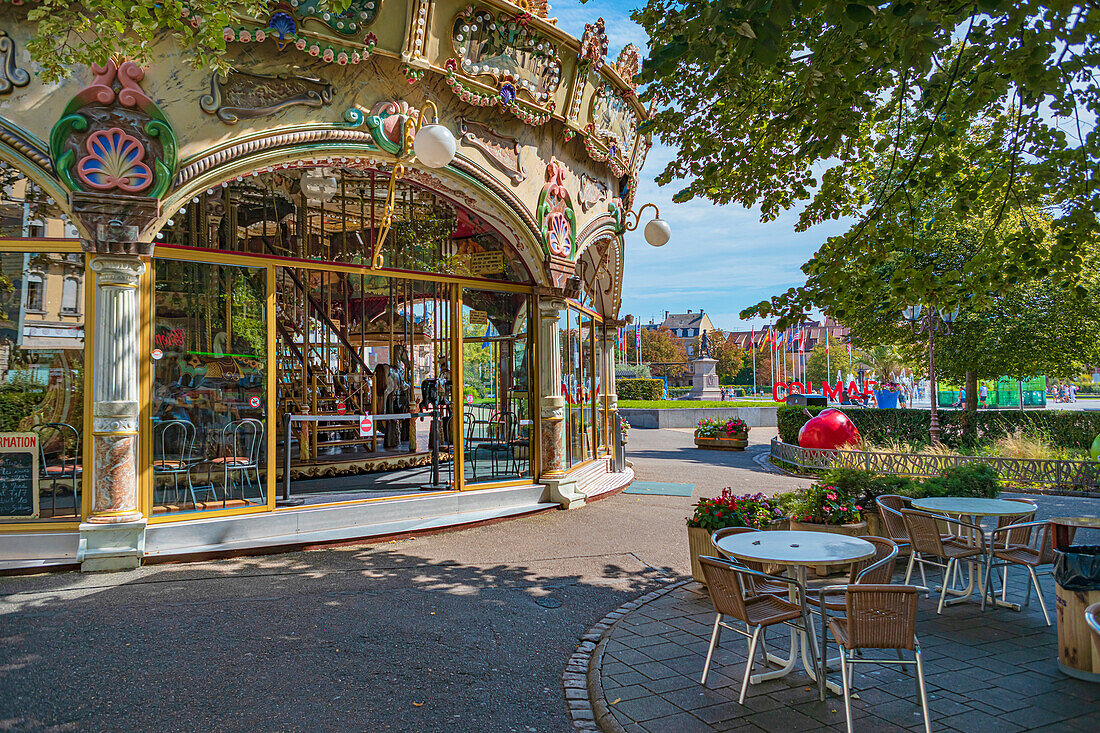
[[638, 215]]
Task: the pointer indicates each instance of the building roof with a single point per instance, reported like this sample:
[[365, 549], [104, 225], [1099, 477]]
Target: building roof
[[686, 320]]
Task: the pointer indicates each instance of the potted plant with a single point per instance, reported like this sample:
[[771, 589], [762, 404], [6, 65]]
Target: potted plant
[[727, 510], [624, 428], [722, 434]]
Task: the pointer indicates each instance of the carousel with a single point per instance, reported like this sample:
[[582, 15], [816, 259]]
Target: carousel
[[365, 282]]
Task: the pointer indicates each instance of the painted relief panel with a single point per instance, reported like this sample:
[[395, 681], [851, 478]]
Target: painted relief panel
[[613, 118], [502, 47]]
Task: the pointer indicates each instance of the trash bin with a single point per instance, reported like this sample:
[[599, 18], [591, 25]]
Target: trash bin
[[1077, 583], [619, 459]]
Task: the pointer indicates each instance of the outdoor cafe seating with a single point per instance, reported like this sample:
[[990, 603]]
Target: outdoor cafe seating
[[189, 466]]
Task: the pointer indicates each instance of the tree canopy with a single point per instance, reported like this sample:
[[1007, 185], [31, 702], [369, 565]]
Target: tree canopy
[[858, 110], [662, 350]]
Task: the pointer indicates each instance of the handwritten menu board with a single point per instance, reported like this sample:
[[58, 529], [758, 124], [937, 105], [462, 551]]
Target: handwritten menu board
[[19, 475]]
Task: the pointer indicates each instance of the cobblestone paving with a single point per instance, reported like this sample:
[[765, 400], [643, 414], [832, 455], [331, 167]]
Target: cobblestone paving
[[994, 671]]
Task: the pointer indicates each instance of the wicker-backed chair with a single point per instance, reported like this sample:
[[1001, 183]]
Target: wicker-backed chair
[[728, 584], [889, 510], [1027, 545], [927, 541], [878, 617], [759, 585], [1092, 618]]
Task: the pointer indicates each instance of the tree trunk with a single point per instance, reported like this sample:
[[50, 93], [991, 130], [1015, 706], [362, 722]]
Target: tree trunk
[[971, 392]]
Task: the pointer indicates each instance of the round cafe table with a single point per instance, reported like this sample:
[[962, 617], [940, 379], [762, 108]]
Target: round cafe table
[[974, 509], [798, 550]]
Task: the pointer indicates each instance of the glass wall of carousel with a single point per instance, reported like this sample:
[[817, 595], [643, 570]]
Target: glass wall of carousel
[[352, 340], [497, 423], [579, 384], [42, 306]]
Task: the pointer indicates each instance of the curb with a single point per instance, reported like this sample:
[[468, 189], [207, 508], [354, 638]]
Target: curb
[[581, 679]]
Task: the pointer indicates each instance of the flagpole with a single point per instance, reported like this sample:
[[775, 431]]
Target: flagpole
[[828, 363], [752, 352]]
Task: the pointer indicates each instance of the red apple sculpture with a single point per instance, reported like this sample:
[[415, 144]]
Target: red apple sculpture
[[829, 429]]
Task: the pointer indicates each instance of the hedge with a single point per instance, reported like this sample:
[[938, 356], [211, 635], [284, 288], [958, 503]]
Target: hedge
[[639, 389], [1063, 428]]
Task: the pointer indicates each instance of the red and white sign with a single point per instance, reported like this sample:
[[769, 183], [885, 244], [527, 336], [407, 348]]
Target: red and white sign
[[157, 354], [469, 399], [366, 426], [254, 401], [341, 408]]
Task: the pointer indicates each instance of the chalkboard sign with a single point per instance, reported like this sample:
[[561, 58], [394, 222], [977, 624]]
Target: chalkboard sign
[[19, 475]]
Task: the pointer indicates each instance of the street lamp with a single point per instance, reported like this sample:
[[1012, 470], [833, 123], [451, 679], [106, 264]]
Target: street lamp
[[931, 321], [657, 231]]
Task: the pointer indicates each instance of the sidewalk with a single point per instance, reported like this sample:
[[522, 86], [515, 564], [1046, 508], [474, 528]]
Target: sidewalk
[[993, 671]]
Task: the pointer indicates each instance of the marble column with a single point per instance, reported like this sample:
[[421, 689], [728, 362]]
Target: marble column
[[563, 489], [113, 535]]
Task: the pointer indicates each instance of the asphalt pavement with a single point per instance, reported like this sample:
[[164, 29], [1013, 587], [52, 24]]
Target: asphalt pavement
[[461, 631]]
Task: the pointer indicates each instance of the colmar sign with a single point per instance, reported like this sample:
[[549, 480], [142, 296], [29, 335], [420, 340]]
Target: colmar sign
[[836, 392]]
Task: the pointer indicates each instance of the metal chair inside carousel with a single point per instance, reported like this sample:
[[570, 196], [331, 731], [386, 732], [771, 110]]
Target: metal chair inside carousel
[[56, 465], [240, 449], [173, 455]]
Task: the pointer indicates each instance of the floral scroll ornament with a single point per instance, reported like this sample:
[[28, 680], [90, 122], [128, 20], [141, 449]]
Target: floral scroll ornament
[[555, 213], [112, 135], [114, 160], [593, 44]]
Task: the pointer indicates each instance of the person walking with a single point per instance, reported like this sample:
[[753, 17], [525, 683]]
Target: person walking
[[983, 394]]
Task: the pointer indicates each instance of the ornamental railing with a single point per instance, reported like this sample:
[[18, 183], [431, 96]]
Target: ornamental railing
[[1083, 475]]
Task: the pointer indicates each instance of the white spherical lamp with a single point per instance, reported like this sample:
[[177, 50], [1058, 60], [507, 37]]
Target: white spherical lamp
[[434, 145], [657, 232]]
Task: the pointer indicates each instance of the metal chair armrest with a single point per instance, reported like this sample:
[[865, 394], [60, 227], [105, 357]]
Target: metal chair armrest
[[877, 564]]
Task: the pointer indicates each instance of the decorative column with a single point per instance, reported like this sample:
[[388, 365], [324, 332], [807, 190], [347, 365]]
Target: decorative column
[[609, 400], [552, 406], [113, 535]]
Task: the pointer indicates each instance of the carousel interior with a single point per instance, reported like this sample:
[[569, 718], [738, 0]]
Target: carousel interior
[[347, 343]]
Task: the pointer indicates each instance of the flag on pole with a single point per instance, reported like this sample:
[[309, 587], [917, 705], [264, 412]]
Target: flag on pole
[[638, 337], [826, 341], [752, 339]]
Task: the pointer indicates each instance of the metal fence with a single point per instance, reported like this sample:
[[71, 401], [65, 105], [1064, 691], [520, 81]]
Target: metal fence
[[1078, 474]]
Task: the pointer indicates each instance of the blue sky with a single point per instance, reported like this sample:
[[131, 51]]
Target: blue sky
[[720, 258]]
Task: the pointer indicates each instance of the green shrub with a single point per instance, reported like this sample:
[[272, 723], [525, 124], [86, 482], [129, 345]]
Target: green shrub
[[1067, 428], [640, 389], [976, 480]]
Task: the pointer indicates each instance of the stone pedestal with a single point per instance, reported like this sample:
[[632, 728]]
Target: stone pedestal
[[113, 537], [704, 380], [552, 412]]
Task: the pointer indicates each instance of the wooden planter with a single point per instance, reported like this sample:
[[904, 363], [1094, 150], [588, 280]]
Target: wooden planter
[[875, 527], [1078, 654], [699, 544], [858, 529], [738, 441]]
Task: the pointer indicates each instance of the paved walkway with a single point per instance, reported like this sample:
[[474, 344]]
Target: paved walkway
[[992, 671]]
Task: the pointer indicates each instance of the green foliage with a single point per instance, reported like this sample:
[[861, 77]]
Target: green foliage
[[689, 404], [905, 117], [16, 405], [730, 510], [91, 32], [977, 480], [822, 504], [1066, 428], [639, 389], [662, 350]]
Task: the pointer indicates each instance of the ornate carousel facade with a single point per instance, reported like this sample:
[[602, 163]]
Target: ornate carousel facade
[[365, 283]]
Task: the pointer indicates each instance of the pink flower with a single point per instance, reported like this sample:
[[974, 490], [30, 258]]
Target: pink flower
[[831, 497]]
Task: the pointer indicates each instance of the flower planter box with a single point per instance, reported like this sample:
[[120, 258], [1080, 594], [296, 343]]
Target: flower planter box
[[734, 442], [699, 544], [858, 529]]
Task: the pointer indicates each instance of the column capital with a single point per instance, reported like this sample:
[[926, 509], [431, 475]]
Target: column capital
[[550, 305], [115, 223], [118, 270]]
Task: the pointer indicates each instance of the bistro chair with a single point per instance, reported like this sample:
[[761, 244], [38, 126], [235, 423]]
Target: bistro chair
[[1026, 545], [889, 510], [174, 453], [57, 465], [759, 585], [875, 570], [243, 442], [729, 585], [877, 617], [927, 541]]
